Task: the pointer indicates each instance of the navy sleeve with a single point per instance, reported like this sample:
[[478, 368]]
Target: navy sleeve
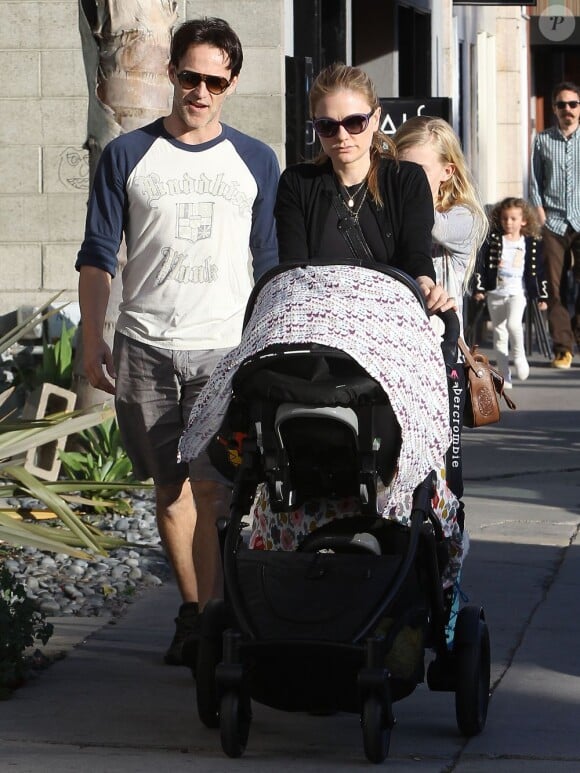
[[107, 202], [263, 164]]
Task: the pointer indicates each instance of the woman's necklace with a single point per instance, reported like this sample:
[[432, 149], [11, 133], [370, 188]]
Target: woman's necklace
[[350, 197], [349, 205]]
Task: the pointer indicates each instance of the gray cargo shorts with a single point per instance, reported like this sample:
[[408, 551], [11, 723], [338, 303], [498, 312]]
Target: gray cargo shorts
[[155, 391]]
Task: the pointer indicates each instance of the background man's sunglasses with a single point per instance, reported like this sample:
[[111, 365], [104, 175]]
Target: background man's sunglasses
[[572, 104], [189, 79], [354, 124]]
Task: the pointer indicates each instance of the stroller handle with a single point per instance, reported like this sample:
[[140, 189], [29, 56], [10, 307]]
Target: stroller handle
[[450, 335]]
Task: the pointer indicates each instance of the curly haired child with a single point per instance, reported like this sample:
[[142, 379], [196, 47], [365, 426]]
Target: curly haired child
[[510, 271]]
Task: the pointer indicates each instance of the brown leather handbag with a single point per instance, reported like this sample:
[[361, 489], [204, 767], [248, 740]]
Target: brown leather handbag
[[485, 385]]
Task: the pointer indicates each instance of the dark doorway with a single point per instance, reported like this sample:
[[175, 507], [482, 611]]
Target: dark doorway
[[319, 40], [550, 65], [414, 46]]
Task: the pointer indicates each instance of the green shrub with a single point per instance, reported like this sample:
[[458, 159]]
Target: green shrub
[[101, 459], [21, 625]]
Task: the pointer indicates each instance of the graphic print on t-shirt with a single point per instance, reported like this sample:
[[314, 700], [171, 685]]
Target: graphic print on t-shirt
[[194, 220]]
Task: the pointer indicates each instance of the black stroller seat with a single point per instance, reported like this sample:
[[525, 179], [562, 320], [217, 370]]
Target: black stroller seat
[[326, 428]]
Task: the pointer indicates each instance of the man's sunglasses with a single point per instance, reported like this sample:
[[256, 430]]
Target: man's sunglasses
[[189, 79], [354, 124], [572, 104]]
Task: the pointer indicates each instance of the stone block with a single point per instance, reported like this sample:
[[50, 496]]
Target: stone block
[[19, 73], [14, 115], [59, 23], [21, 266], [20, 165], [259, 116], [57, 121], [508, 97], [62, 73], [64, 121], [66, 217], [508, 46], [255, 21], [58, 266], [65, 169], [262, 72], [20, 25], [43, 461], [23, 218]]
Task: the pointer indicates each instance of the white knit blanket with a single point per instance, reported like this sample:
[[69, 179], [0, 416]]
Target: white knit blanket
[[373, 318]]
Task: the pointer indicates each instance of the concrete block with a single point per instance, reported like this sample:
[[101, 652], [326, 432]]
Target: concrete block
[[255, 21], [508, 48], [58, 266], [23, 218], [54, 64], [259, 116], [64, 121], [59, 23], [14, 115], [65, 169], [262, 72], [20, 71], [20, 167], [20, 25], [21, 266], [66, 217], [57, 121], [43, 460]]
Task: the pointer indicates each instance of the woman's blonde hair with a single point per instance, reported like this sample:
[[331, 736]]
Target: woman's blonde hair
[[342, 77], [459, 188], [529, 214]]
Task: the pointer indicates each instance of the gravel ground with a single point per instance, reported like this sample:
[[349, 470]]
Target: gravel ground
[[62, 585]]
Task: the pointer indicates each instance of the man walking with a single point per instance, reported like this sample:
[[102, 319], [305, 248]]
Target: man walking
[[555, 192], [194, 199]]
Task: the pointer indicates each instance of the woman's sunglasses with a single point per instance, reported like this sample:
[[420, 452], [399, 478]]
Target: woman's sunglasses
[[354, 124], [573, 104], [189, 79]]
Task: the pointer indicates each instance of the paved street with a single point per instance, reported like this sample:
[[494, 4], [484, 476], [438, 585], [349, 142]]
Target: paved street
[[111, 707]]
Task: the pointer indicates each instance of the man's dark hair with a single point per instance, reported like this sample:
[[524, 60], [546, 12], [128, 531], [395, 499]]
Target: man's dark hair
[[564, 86], [212, 31]]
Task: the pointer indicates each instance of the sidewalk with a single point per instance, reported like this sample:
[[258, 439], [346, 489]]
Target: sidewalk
[[111, 706]]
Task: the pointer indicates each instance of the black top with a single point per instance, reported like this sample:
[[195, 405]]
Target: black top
[[399, 233]]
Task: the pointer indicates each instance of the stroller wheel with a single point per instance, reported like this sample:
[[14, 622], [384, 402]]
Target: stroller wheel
[[235, 720], [471, 652], [376, 732]]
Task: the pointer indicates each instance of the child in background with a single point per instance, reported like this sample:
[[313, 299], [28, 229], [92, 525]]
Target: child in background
[[509, 272], [460, 221]]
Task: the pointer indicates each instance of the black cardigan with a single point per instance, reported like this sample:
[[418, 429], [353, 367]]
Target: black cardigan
[[405, 221], [488, 262]]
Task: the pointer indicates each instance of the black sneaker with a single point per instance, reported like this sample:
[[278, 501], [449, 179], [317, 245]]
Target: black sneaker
[[183, 648]]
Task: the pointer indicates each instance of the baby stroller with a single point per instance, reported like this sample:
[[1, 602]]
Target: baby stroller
[[343, 621]]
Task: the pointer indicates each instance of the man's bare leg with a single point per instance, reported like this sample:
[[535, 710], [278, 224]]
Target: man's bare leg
[[176, 518], [212, 501]]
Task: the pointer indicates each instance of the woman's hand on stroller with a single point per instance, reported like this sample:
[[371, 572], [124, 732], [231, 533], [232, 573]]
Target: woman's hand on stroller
[[436, 296]]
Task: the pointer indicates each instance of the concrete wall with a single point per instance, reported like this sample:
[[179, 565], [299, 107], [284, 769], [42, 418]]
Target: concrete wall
[[43, 119]]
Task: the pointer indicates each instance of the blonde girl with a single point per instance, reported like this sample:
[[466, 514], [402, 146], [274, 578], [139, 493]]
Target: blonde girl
[[460, 222]]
